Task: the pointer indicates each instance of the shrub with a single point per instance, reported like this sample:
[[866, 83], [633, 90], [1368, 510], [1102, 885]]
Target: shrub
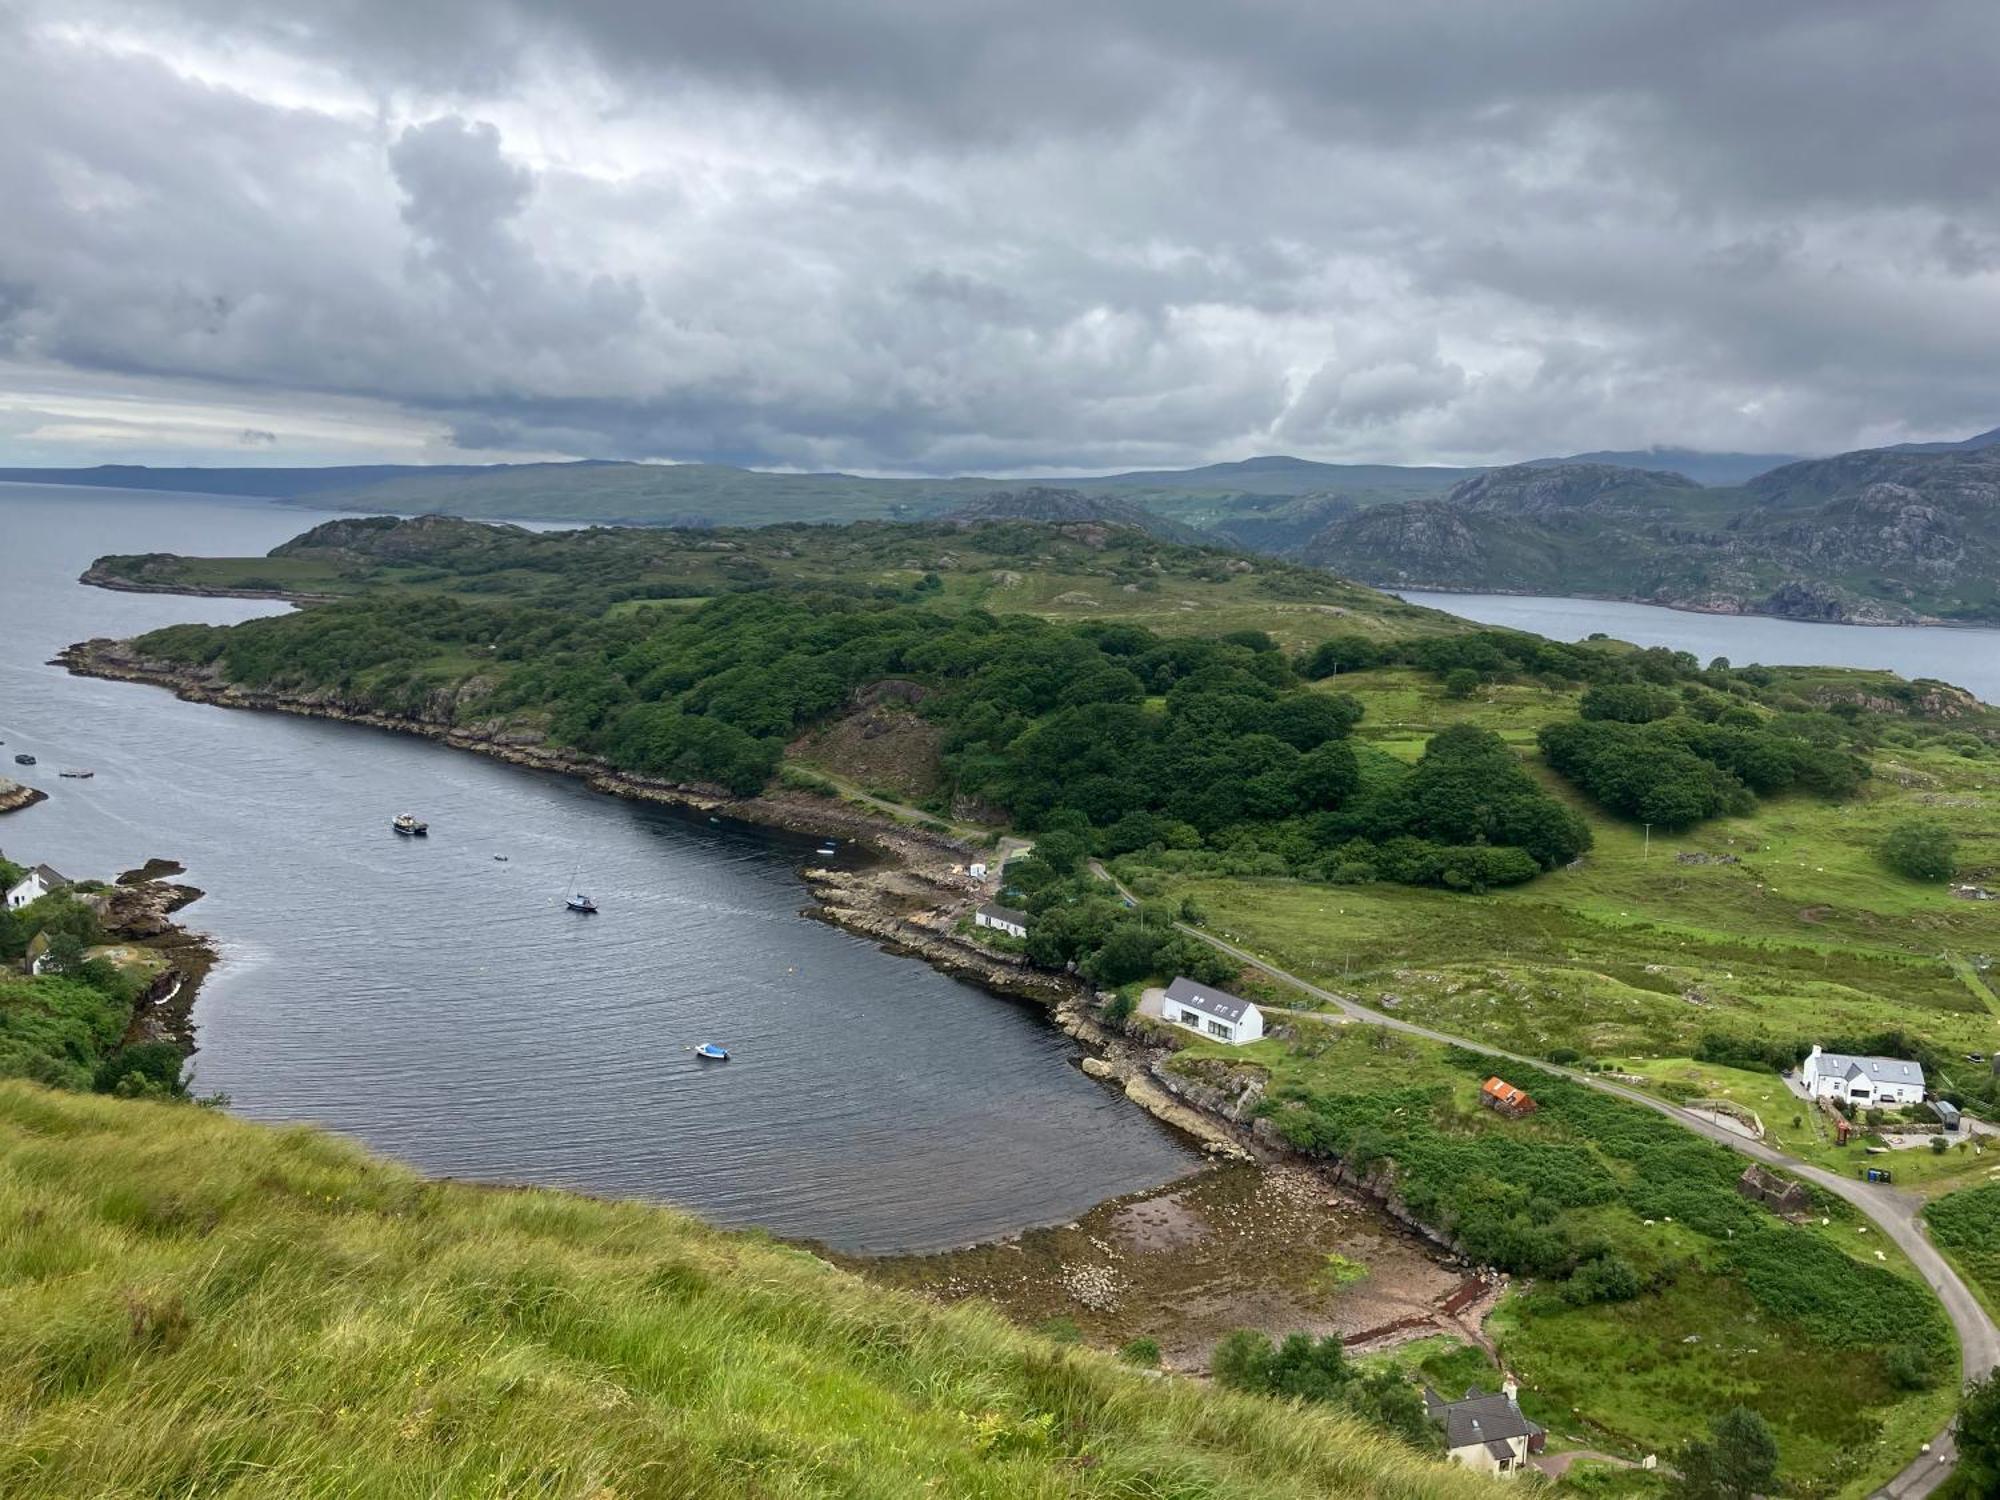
[[1142, 1352], [1604, 1278], [1921, 849]]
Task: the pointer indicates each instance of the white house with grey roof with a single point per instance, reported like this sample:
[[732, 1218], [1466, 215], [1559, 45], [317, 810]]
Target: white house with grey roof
[[1216, 1014], [1865, 1081], [32, 886], [1002, 919], [1487, 1432]]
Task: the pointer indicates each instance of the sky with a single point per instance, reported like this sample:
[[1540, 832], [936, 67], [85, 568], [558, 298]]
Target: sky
[[937, 236]]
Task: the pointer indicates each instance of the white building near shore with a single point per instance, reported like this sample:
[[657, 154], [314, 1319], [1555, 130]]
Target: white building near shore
[[1216, 1014], [1866, 1082], [32, 886]]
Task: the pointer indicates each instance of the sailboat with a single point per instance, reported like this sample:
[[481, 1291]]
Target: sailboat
[[576, 900]]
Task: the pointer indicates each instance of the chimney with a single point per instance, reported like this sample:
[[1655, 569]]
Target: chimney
[[1510, 1388], [1815, 1050]]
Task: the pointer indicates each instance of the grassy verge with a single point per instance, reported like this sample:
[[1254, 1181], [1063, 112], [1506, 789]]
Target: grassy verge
[[193, 1305], [1966, 1226]]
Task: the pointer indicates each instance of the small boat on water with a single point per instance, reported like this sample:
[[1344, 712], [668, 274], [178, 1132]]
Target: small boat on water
[[500, 859], [576, 900], [405, 823], [709, 1052], [77, 775], [24, 760], [827, 850]]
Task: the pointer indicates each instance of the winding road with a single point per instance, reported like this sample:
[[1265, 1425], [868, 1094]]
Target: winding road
[[1896, 1213]]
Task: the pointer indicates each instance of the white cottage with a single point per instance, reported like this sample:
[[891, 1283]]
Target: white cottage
[[1863, 1081], [1002, 919], [32, 886], [1214, 1013], [1487, 1432]]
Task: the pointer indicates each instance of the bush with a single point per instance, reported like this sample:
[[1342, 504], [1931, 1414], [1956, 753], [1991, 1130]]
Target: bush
[[1604, 1278], [1142, 1352], [1921, 849]]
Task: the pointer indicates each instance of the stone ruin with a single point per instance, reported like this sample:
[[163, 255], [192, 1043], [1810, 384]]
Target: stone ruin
[[1773, 1191]]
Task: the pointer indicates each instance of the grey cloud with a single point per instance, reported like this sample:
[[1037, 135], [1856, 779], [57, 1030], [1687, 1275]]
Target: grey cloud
[[888, 234]]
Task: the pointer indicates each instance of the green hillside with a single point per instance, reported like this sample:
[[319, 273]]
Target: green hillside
[[193, 1305]]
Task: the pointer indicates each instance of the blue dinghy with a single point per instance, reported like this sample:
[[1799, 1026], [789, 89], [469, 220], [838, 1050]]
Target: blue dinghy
[[712, 1052]]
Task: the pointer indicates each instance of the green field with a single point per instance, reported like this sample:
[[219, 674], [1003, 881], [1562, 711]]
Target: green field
[[1783, 923], [193, 1305], [1966, 1226], [1733, 1306]]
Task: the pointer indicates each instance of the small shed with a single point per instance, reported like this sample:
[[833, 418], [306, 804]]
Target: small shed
[[1498, 1094], [1946, 1112]]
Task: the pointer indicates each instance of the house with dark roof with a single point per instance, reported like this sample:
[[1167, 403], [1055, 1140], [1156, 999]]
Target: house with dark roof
[[1487, 1432], [1216, 1014], [32, 886], [1867, 1082], [1002, 919]]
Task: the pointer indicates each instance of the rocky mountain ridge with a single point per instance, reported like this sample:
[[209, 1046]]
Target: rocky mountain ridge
[[1873, 537]]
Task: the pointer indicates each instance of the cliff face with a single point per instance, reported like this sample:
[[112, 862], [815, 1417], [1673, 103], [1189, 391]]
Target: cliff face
[[1876, 537]]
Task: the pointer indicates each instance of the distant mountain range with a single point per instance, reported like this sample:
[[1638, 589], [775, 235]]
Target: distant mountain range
[[1702, 468], [1905, 532], [1878, 536]]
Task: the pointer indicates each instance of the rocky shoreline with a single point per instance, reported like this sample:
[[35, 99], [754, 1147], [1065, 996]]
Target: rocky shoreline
[[15, 795], [910, 903], [138, 909], [97, 578]]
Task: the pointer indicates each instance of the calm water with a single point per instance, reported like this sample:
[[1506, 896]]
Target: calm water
[[443, 1007], [1968, 658]]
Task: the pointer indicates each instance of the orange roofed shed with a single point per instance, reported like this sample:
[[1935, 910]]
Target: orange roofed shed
[[1501, 1095]]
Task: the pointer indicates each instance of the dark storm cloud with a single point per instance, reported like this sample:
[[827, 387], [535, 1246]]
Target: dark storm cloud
[[915, 235]]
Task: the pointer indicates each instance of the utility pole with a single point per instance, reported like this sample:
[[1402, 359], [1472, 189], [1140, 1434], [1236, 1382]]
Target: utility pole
[[1648, 851]]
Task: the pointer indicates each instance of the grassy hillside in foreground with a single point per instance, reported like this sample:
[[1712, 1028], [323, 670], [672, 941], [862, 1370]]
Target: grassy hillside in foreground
[[193, 1305]]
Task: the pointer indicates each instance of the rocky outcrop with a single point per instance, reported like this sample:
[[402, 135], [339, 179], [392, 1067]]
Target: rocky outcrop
[[1535, 489], [14, 795]]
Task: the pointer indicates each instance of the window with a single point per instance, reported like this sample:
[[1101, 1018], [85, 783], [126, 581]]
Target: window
[[1219, 1028]]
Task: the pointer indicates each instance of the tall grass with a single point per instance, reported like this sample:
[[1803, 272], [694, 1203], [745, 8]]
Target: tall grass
[[195, 1306]]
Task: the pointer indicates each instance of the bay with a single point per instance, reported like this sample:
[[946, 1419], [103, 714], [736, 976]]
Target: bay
[[441, 1006], [1967, 658]]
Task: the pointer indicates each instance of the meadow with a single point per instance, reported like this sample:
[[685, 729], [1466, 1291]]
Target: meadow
[[195, 1305], [1783, 923]]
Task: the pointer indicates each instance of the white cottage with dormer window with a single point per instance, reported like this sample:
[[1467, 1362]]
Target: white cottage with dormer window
[[1216, 1014]]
